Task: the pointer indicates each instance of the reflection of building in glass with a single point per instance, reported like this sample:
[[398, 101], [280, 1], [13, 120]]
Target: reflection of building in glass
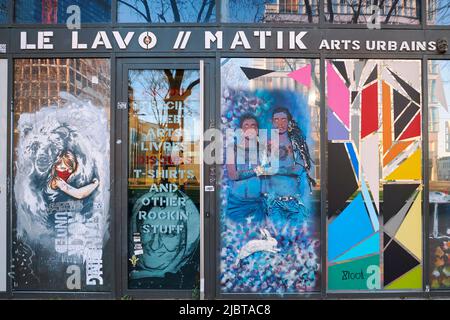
[[39, 82], [360, 11], [291, 11], [447, 136], [444, 169], [436, 101], [55, 11]]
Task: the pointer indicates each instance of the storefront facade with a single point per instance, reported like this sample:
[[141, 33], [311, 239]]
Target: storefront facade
[[126, 147]]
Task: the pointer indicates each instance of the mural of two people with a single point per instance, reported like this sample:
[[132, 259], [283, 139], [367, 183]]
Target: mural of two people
[[269, 216]]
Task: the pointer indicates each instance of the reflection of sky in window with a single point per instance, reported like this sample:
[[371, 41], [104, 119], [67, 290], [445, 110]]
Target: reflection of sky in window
[[244, 10], [150, 88], [163, 12], [441, 11]]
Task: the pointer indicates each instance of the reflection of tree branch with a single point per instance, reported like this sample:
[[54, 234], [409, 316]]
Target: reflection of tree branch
[[176, 12], [134, 8], [391, 10], [192, 85], [308, 11], [330, 10], [210, 11], [357, 13], [200, 12]]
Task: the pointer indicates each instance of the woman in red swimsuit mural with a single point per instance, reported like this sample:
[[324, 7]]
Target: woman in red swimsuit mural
[[65, 166]]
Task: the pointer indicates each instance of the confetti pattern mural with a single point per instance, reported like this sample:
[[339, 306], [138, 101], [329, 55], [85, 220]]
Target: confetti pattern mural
[[374, 175], [270, 218]]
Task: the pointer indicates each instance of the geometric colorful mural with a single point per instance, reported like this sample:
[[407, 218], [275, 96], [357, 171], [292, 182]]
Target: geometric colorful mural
[[374, 175]]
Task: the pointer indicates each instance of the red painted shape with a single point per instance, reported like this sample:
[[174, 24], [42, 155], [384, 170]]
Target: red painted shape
[[413, 130], [369, 110]]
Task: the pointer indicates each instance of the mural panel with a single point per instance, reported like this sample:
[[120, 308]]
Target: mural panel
[[270, 184], [374, 175], [61, 175]]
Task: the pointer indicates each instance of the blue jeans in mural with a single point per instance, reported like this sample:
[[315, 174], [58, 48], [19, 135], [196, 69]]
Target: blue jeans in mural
[[285, 214], [245, 210]]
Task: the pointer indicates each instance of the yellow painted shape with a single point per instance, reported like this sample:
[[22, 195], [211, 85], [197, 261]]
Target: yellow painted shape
[[410, 232], [410, 169], [410, 280]]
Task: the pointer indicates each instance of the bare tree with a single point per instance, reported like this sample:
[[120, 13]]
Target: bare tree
[[171, 9]]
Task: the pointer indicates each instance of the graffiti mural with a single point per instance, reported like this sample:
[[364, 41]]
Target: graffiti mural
[[270, 188], [164, 180], [61, 175], [374, 175], [439, 173]]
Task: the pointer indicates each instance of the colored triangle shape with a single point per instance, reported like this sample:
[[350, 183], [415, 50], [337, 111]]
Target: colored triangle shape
[[252, 73], [338, 95], [410, 169], [413, 130], [400, 103], [408, 281], [336, 130], [302, 75], [392, 226], [405, 119], [354, 217], [340, 66], [396, 149], [395, 196], [410, 232], [373, 76], [397, 262], [413, 93], [365, 248]]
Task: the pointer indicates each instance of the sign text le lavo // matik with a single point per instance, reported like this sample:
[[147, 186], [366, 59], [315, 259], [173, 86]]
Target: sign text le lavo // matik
[[44, 40], [218, 40]]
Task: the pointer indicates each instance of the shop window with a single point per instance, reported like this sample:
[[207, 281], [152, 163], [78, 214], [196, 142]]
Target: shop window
[[166, 11], [56, 11], [164, 179], [438, 12], [270, 11], [61, 178], [439, 175], [364, 12], [270, 187], [374, 236]]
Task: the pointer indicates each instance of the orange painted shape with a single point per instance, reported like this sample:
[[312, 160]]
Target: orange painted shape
[[387, 118], [397, 148]]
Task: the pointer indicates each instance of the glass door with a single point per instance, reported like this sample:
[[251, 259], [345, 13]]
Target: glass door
[[161, 200]]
